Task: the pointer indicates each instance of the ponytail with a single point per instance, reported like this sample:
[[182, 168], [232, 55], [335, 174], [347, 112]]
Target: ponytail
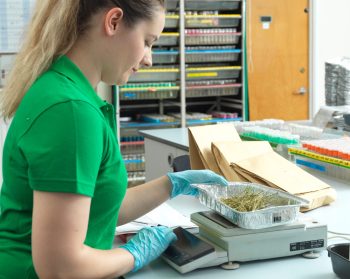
[[52, 32]]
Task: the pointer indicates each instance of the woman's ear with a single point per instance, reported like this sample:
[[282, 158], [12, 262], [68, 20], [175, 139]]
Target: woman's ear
[[112, 20]]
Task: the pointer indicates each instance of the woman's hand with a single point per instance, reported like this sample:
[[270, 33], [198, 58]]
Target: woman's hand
[[181, 181], [148, 244]]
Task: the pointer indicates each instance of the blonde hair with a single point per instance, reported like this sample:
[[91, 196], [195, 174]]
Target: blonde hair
[[53, 30]]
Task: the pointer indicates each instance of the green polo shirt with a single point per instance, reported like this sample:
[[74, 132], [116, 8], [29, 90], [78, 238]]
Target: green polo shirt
[[62, 139]]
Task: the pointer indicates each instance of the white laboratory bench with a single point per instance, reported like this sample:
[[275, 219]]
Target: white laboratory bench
[[296, 267]]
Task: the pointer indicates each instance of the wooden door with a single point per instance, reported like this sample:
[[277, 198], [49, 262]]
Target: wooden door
[[277, 56]]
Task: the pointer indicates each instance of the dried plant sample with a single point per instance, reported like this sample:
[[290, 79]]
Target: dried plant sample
[[251, 199]]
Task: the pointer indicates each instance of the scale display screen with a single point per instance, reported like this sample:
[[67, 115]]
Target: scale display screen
[[187, 248]]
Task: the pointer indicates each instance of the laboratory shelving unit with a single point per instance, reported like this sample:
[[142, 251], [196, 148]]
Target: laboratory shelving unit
[[197, 76]]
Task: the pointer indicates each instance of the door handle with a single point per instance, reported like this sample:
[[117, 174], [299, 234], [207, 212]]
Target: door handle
[[301, 91], [170, 159]]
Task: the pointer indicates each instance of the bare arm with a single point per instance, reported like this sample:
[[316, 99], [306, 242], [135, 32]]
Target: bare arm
[[143, 198], [59, 229]]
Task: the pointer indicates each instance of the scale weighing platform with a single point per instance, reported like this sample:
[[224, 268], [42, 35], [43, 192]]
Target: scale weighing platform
[[220, 242]]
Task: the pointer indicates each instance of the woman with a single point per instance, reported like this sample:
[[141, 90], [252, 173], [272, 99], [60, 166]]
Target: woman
[[65, 182]]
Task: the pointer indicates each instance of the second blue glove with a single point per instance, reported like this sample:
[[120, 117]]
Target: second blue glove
[[148, 244]]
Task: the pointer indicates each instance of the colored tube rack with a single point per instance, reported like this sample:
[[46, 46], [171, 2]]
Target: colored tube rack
[[320, 163], [134, 162], [224, 72], [270, 135], [212, 90], [203, 20], [193, 116], [131, 137], [197, 55], [165, 56], [132, 147], [168, 39], [148, 125], [338, 148], [204, 5], [171, 21], [156, 118], [147, 91], [305, 131], [223, 36], [267, 123], [224, 115], [156, 74], [212, 55], [208, 21]]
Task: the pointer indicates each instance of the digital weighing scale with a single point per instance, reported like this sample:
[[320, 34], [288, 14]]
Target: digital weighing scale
[[220, 242]]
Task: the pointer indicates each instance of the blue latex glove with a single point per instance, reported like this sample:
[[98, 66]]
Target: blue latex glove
[[181, 181], [148, 244]]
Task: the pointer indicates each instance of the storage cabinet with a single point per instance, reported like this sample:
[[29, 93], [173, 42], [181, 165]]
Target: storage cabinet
[[159, 157], [197, 75]]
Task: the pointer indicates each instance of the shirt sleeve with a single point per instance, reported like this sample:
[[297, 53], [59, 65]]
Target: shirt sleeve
[[64, 148]]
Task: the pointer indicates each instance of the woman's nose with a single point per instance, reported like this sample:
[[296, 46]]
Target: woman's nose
[[147, 59]]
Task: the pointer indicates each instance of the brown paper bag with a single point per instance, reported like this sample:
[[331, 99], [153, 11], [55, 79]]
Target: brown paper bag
[[257, 162], [224, 161], [251, 178], [200, 139]]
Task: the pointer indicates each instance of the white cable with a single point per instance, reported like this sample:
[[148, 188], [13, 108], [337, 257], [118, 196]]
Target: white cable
[[338, 233], [339, 236]]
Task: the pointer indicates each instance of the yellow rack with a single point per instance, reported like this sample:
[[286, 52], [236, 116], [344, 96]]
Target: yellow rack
[[319, 157], [150, 88], [223, 68], [214, 16]]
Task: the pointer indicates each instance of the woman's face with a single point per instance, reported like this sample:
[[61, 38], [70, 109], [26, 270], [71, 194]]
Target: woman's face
[[131, 49]]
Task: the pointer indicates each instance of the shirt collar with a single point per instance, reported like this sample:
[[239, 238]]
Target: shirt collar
[[66, 67]]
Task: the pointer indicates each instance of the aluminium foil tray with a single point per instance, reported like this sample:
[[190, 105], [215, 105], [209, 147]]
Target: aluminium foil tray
[[210, 195]]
